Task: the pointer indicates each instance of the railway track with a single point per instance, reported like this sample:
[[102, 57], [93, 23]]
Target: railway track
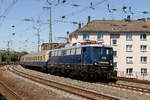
[[128, 87], [9, 93], [81, 92]]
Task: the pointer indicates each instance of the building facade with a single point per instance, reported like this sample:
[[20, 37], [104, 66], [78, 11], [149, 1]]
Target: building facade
[[130, 40]]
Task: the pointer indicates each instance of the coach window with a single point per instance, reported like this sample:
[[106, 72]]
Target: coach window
[[53, 53], [59, 53], [56, 53], [41, 58]]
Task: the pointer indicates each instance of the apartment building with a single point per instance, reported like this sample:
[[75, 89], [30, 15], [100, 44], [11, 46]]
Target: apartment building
[[130, 40]]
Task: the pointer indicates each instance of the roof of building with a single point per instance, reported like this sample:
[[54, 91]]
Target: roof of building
[[115, 26]]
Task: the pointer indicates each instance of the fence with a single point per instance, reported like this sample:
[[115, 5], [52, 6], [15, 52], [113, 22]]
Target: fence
[[137, 75]]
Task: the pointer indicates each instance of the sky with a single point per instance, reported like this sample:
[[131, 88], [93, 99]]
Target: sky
[[22, 34]]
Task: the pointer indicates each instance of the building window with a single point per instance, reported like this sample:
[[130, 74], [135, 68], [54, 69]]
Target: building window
[[114, 53], [143, 70], [100, 36], [129, 37], [143, 36], [129, 60], [128, 48], [115, 64], [114, 42], [143, 59], [129, 70], [143, 48], [85, 36]]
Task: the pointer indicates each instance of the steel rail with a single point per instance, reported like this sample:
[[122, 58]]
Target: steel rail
[[82, 92], [10, 91], [135, 88], [128, 87]]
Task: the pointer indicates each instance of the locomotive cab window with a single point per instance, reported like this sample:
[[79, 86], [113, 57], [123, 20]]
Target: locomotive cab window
[[97, 51]]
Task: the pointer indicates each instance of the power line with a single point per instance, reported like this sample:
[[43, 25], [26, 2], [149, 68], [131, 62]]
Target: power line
[[83, 9]]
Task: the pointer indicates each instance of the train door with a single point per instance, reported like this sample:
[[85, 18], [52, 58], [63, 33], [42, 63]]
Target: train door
[[84, 55]]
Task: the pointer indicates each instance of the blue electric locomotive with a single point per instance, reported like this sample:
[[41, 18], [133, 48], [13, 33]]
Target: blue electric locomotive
[[89, 61]]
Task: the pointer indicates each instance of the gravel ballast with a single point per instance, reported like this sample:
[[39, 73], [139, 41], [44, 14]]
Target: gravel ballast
[[30, 90], [122, 93]]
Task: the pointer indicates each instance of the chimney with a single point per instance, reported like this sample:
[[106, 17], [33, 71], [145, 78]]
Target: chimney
[[67, 37], [89, 19], [79, 25]]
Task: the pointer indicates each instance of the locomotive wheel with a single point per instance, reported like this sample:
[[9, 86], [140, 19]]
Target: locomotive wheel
[[52, 71]]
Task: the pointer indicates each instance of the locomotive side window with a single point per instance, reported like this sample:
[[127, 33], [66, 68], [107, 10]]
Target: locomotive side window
[[63, 53], [67, 52], [98, 51], [78, 51], [73, 51]]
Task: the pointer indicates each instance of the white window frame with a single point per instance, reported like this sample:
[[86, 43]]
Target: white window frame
[[128, 48], [115, 64], [142, 37], [116, 42], [129, 70], [128, 37], [129, 60], [143, 60], [100, 37], [143, 70], [115, 53], [142, 48], [87, 37]]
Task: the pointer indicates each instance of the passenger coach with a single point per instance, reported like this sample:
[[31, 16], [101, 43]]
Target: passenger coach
[[36, 60]]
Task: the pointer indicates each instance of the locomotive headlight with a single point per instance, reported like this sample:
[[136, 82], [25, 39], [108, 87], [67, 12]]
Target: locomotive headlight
[[111, 64], [95, 63]]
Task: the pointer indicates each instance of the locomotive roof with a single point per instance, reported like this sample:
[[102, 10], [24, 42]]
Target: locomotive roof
[[89, 45], [37, 53]]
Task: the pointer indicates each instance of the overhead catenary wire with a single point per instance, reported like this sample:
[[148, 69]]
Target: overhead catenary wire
[[7, 10], [83, 9]]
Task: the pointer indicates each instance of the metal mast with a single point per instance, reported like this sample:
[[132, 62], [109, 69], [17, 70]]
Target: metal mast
[[38, 34], [50, 28]]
